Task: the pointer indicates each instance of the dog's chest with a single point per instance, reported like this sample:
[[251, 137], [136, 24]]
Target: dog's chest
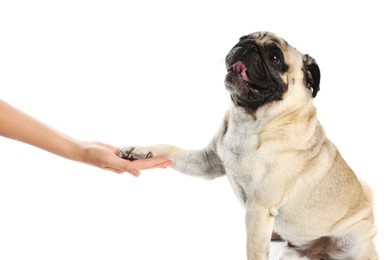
[[241, 153], [236, 146]]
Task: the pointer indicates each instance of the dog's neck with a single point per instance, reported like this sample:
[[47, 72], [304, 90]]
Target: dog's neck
[[273, 115]]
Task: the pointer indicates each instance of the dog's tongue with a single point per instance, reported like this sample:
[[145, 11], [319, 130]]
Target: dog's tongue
[[240, 68]]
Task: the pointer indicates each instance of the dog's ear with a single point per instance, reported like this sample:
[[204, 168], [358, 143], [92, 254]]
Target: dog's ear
[[312, 74]]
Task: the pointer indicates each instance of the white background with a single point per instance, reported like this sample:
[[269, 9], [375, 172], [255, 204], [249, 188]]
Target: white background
[[147, 72]]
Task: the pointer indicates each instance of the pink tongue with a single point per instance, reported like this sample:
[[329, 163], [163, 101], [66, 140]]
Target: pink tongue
[[240, 68]]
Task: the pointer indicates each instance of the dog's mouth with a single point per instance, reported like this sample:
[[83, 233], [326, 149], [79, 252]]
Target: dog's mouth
[[241, 78], [239, 83], [239, 68]]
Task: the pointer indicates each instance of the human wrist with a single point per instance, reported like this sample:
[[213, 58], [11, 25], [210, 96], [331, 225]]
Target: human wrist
[[78, 151]]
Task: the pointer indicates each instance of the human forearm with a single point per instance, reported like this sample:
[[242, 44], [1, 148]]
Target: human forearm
[[20, 126]]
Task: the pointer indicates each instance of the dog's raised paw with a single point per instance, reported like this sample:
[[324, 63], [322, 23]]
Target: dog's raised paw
[[126, 153], [133, 153]]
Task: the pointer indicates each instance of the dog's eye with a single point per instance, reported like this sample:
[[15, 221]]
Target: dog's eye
[[275, 58], [275, 55]]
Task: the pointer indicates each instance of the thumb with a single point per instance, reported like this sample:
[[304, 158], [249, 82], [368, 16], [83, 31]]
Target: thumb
[[120, 165], [134, 172], [127, 166]]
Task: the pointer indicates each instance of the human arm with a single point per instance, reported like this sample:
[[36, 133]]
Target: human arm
[[17, 125]]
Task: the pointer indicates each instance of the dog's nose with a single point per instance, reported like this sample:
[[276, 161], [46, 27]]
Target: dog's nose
[[250, 47]]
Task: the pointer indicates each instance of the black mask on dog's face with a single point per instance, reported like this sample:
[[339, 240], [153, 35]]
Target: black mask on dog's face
[[255, 69], [253, 73]]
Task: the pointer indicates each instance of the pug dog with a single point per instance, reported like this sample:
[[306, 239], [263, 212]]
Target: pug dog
[[288, 175]]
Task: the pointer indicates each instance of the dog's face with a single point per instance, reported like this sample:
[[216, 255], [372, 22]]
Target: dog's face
[[262, 67]]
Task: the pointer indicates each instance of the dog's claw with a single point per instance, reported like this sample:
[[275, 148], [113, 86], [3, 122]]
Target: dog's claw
[[149, 155]]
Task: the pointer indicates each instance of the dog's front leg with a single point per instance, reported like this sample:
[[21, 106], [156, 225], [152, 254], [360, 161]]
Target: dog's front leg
[[203, 163], [259, 226]]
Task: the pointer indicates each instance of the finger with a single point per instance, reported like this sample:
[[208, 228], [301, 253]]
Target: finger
[[162, 165], [121, 165], [155, 162], [114, 170], [132, 171]]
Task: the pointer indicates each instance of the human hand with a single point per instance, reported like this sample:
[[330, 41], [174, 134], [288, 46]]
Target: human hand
[[106, 157]]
